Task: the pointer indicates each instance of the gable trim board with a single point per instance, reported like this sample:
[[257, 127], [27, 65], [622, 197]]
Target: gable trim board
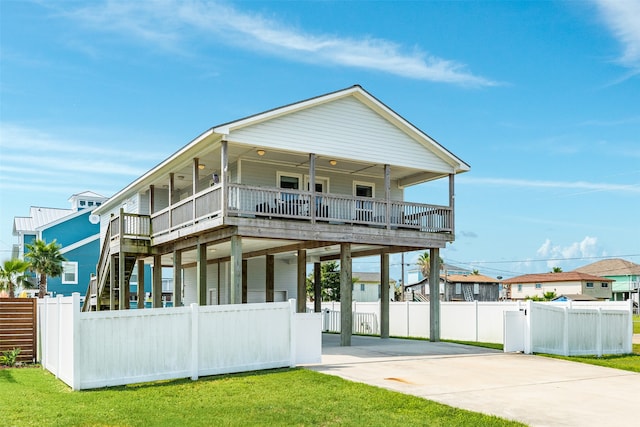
[[82, 242]]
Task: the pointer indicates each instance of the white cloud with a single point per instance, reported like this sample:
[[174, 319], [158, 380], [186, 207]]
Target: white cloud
[[575, 185], [169, 24], [623, 19], [553, 254]]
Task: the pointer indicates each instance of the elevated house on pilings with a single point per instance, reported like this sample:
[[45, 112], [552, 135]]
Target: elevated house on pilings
[[240, 211]]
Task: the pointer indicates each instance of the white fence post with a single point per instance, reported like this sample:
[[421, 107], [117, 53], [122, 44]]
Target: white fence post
[[565, 338], [599, 332], [43, 333], [195, 315], [406, 305], [475, 303], [76, 341], [292, 332], [528, 344], [629, 344], [59, 330]]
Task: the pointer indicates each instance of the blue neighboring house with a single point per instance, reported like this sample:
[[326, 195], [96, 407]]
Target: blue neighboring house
[[73, 229]]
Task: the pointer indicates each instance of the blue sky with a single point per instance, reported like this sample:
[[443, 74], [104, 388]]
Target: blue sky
[[540, 98]]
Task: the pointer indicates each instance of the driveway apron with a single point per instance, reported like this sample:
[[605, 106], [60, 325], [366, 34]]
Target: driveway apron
[[535, 390]]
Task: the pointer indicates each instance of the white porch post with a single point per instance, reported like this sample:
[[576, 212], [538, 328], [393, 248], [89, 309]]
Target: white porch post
[[387, 194], [452, 200], [224, 178], [312, 186]]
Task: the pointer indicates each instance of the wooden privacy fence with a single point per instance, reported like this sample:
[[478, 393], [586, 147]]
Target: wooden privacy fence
[[18, 327]]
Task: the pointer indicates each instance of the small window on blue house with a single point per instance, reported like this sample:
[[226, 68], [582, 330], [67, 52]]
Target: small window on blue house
[[82, 203], [69, 273]]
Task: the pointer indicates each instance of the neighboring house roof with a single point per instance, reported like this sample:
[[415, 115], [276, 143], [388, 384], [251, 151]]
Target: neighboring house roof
[[88, 194], [575, 297], [611, 267], [470, 278], [38, 216], [368, 277], [459, 278], [569, 276]]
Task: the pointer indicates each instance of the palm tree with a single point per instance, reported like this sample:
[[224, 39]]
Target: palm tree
[[556, 270], [12, 273], [424, 263], [46, 260]]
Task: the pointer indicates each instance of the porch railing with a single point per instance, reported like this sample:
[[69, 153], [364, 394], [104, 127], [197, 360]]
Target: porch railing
[[251, 201]]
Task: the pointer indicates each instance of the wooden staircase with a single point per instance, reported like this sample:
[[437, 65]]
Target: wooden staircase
[[98, 296]]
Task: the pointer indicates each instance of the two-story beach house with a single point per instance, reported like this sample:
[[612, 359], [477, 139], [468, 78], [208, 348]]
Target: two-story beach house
[[239, 212]]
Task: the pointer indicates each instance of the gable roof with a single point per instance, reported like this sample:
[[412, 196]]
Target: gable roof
[[611, 267], [366, 98], [38, 217], [569, 276], [470, 278]]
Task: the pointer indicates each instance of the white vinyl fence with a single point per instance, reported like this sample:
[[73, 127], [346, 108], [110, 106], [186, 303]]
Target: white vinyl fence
[[569, 328], [98, 349], [575, 330], [463, 321]]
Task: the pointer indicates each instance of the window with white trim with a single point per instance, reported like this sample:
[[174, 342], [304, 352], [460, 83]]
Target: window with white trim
[[589, 284], [604, 284], [538, 285], [364, 209], [70, 273]]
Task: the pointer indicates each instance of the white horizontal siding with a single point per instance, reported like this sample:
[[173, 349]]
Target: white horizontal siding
[[342, 128], [258, 173]]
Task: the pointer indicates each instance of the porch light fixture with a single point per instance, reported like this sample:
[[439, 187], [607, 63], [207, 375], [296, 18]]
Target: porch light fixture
[[333, 162], [201, 166], [260, 153]]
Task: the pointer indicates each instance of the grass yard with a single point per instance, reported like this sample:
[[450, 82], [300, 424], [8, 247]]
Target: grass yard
[[636, 324], [628, 362], [32, 396]]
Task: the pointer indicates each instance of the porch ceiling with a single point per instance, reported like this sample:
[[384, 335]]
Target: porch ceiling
[[210, 163]]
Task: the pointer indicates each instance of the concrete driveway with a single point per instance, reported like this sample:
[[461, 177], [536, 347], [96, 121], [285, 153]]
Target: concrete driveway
[[535, 390]]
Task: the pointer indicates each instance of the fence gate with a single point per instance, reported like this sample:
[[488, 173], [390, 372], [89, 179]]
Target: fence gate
[[18, 327], [514, 331]]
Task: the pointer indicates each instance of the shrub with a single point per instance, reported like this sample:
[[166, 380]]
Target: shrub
[[9, 357]]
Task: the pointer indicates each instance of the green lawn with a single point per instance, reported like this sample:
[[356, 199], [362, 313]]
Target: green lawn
[[32, 396], [636, 324]]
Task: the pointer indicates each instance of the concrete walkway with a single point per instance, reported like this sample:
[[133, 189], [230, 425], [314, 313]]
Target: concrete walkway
[[535, 390]]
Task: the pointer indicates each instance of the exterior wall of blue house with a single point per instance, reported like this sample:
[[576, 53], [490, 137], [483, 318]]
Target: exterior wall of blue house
[[86, 258], [71, 230]]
